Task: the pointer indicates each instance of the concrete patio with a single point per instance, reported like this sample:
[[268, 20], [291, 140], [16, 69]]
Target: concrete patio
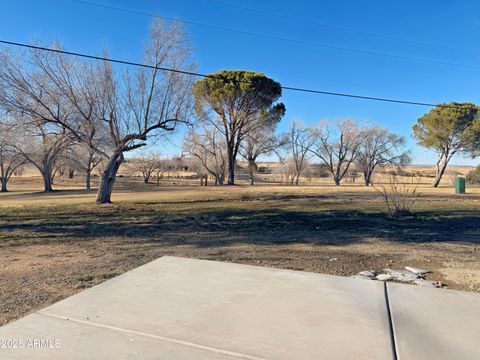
[[177, 308]]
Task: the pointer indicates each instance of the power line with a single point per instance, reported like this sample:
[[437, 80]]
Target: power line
[[340, 28], [279, 38], [94, 57], [290, 88], [363, 97]]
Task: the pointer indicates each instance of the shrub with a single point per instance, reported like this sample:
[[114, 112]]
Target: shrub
[[399, 197], [473, 176]]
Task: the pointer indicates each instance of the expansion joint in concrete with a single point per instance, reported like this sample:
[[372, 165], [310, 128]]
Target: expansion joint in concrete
[[390, 322]]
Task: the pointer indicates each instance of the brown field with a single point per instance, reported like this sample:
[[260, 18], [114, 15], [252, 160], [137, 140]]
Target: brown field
[[54, 245]]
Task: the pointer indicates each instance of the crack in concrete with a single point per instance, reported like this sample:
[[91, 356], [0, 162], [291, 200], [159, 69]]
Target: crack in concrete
[[156, 337]]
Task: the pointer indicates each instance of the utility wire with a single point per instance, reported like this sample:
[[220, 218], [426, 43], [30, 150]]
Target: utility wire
[[94, 57], [340, 28], [279, 38], [290, 88]]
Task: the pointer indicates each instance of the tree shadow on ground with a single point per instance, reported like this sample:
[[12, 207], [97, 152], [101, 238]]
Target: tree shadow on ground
[[220, 227]]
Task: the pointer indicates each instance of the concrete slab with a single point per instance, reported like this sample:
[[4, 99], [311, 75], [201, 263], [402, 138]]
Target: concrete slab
[[435, 324], [44, 337], [177, 308]]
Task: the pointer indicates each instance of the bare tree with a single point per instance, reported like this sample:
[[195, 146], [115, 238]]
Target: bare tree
[[93, 147], [194, 164], [352, 175], [41, 146], [55, 93], [337, 146], [91, 160], [164, 167], [290, 170], [63, 167], [149, 101], [208, 147], [130, 109], [261, 141], [298, 141], [148, 164], [379, 147], [84, 159], [168, 166], [10, 157], [48, 87]]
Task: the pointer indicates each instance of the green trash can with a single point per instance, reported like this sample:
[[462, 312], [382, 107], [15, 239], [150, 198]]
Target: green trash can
[[460, 185]]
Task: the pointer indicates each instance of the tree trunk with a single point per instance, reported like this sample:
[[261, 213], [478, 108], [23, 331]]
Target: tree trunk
[[337, 180], [4, 184], [440, 171], [231, 162], [251, 167], [231, 170], [109, 176], [71, 173], [367, 177], [87, 180], [47, 181]]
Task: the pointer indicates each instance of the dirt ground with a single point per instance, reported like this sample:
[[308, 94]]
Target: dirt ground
[[54, 245]]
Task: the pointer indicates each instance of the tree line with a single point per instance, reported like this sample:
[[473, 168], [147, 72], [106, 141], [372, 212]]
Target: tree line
[[56, 109], [335, 145]]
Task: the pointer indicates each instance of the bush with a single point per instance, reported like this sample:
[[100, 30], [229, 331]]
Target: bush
[[473, 176], [399, 197]]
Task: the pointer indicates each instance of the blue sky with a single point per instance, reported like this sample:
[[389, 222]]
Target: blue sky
[[456, 24]]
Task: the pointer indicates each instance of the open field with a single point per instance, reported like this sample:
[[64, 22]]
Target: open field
[[53, 245]]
